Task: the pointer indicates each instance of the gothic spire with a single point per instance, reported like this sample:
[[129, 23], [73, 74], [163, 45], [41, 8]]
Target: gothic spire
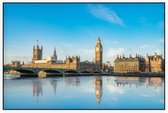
[[54, 54]]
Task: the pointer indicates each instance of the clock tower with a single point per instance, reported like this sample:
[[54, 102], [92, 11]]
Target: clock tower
[[99, 53]]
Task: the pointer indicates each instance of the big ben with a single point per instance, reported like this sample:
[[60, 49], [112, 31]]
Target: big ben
[[99, 53]]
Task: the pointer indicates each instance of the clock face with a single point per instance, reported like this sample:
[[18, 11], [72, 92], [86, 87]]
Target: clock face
[[97, 49]]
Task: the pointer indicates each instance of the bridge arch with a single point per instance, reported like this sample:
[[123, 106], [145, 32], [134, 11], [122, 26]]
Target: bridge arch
[[28, 71], [23, 72], [49, 73], [85, 72], [95, 72], [71, 72]]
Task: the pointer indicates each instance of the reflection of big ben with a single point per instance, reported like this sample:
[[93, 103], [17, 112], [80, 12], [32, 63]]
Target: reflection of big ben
[[98, 88], [99, 53]]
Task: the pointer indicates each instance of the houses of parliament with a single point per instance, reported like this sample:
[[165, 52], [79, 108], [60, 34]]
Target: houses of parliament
[[122, 64], [69, 63]]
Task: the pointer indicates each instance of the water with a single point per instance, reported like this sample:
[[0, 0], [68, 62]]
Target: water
[[89, 92]]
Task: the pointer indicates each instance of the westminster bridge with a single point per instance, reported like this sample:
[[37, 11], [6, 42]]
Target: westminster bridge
[[46, 72], [52, 72]]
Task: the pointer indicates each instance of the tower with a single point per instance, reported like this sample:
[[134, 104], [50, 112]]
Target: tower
[[147, 63], [55, 55], [75, 59], [68, 60], [37, 53], [99, 53]]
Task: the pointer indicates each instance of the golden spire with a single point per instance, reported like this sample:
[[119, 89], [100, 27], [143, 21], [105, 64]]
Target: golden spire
[[99, 41], [99, 38]]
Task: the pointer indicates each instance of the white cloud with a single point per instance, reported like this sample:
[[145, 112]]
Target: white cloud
[[105, 14], [144, 46], [115, 52]]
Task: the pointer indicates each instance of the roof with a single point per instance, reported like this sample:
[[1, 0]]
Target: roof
[[130, 59], [157, 56]]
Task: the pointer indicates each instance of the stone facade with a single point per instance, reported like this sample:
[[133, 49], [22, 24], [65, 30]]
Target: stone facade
[[70, 62], [15, 63], [136, 64], [154, 63], [107, 66], [88, 66], [37, 53]]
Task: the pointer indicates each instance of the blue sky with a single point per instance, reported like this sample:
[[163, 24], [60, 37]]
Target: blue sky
[[74, 29]]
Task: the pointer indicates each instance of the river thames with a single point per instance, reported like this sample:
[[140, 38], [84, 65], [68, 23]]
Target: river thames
[[85, 92]]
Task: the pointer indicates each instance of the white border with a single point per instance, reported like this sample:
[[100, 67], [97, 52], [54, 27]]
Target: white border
[[77, 111]]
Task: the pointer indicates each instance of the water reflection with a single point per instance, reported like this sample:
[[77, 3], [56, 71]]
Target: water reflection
[[54, 84], [154, 81], [37, 88], [98, 89], [72, 81], [139, 81], [122, 81]]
